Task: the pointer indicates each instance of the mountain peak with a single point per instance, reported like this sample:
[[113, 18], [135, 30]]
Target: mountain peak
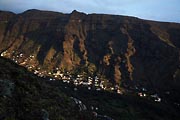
[[74, 11], [77, 14], [31, 10]]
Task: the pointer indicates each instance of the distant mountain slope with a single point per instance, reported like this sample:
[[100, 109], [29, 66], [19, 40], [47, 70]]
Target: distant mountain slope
[[123, 49]]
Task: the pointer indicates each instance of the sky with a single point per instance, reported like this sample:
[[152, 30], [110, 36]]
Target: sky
[[159, 10]]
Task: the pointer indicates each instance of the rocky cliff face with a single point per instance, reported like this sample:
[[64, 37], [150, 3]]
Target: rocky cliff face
[[123, 49]]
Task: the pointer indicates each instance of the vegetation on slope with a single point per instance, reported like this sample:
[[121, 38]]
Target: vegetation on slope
[[24, 96]]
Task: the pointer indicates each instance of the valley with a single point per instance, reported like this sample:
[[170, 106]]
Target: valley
[[57, 66]]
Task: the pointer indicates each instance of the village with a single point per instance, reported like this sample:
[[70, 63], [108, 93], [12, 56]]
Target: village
[[91, 83]]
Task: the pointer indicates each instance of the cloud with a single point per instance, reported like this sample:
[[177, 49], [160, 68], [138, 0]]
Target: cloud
[[66, 5], [148, 9]]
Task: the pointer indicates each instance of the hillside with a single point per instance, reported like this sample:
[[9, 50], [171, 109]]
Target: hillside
[[24, 96]]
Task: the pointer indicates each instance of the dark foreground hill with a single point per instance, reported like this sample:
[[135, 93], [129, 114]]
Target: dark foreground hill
[[24, 96]]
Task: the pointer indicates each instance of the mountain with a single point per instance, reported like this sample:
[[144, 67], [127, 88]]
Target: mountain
[[123, 50]]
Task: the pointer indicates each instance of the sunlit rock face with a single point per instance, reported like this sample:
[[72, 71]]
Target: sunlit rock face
[[123, 49]]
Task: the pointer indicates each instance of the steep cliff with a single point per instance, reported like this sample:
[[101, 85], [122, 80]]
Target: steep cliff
[[123, 49]]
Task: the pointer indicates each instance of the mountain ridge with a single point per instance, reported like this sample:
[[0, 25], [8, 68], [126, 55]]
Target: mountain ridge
[[30, 10]]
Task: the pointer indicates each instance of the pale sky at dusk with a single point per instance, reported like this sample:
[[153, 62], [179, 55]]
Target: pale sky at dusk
[[160, 10]]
